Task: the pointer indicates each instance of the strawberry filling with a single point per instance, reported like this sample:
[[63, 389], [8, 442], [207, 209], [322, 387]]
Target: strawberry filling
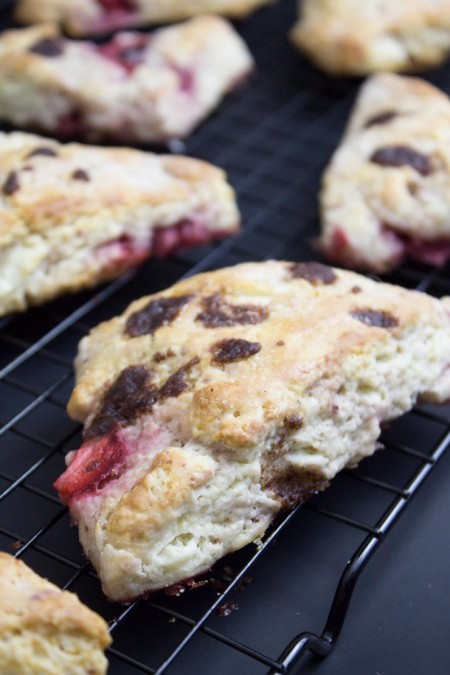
[[124, 252], [117, 5], [435, 253], [71, 124], [121, 254], [187, 233], [186, 78], [93, 466], [432, 252], [116, 14], [126, 50]]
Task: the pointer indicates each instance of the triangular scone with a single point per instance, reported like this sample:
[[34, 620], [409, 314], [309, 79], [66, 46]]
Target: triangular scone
[[74, 215], [136, 87], [44, 629], [211, 406], [386, 191], [89, 17], [356, 37]]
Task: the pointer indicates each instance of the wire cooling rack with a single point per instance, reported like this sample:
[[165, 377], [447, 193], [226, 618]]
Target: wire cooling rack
[[262, 608]]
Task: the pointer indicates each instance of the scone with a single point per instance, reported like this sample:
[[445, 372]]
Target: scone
[[89, 17], [356, 37], [234, 394], [386, 192], [73, 215], [46, 631], [135, 88]]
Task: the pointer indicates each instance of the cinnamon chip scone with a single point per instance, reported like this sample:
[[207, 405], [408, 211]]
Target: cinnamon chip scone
[[46, 631], [234, 394], [356, 37], [136, 87], [73, 215], [89, 17], [386, 192]]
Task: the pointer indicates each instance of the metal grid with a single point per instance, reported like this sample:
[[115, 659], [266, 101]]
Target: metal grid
[[273, 137]]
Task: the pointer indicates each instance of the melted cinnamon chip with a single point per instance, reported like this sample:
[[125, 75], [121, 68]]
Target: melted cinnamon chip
[[234, 349], [293, 422], [375, 317], [49, 47], [44, 151], [130, 395], [402, 155], [381, 118], [217, 312], [316, 273], [157, 313], [293, 488], [176, 383], [81, 174], [11, 184], [160, 356]]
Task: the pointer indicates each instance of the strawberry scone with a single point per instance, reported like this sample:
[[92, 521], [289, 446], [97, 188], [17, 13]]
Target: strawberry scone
[[358, 37], [74, 215], [46, 631], [90, 17], [210, 407], [135, 88], [386, 192]]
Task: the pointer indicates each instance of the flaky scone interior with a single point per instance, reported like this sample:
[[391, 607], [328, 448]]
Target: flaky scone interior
[[211, 406], [44, 630]]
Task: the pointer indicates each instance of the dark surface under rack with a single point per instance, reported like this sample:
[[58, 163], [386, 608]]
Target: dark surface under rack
[[273, 137]]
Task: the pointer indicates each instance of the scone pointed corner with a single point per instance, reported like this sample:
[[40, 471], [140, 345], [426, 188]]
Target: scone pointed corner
[[180, 465], [33, 611]]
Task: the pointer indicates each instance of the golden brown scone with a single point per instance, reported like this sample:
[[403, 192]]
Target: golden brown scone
[[88, 17], [357, 37], [46, 631], [211, 406], [386, 192], [74, 215], [135, 88]]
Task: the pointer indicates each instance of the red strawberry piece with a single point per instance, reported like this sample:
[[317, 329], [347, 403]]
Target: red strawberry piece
[[94, 465]]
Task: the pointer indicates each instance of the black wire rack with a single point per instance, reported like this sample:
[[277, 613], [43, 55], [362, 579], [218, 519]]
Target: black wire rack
[[273, 137]]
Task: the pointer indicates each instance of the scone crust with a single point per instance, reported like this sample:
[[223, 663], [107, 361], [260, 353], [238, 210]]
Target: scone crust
[[73, 215], [86, 17], [397, 36], [146, 89], [385, 193], [230, 396], [33, 609]]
